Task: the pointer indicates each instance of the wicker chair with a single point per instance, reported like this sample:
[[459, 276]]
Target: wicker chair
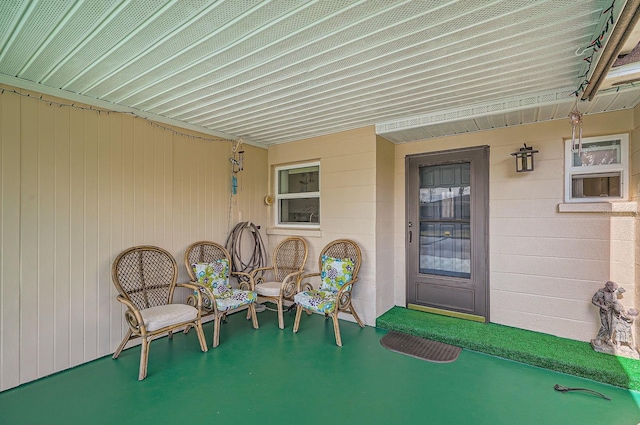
[[278, 282], [339, 264], [145, 277], [209, 265]]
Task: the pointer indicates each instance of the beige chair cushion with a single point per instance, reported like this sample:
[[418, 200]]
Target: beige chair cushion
[[269, 289], [166, 315]]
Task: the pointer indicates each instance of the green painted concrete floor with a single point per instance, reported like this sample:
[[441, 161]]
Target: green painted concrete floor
[[271, 376]]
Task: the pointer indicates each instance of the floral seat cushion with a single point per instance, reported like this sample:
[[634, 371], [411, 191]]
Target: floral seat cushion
[[316, 300], [335, 273], [237, 299], [215, 276]]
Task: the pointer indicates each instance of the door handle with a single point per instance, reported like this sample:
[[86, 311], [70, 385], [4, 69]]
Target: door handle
[[410, 235]]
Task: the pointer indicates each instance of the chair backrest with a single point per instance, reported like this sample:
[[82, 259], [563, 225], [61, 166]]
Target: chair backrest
[[343, 248], [145, 275], [204, 252], [289, 256]]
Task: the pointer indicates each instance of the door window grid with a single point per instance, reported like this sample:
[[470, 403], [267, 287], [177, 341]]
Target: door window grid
[[445, 214]]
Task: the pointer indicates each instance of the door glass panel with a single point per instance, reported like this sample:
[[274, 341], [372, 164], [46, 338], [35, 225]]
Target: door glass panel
[[445, 220]]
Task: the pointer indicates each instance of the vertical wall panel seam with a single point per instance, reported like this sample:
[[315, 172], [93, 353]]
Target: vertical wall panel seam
[[19, 365], [69, 227], [96, 265], [167, 184], [110, 215], [2, 283], [19, 300], [98, 253], [122, 208], [38, 236], [69, 232], [98, 240], [54, 279], [84, 235], [168, 192], [2, 383]]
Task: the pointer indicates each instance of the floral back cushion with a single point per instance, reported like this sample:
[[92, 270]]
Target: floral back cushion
[[214, 276], [336, 272]]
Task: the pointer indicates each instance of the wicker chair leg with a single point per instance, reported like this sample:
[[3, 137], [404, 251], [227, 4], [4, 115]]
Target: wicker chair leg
[[126, 339], [216, 330], [254, 316], [201, 338], [336, 328], [251, 312], [144, 358], [355, 316], [186, 330], [296, 324], [280, 314]]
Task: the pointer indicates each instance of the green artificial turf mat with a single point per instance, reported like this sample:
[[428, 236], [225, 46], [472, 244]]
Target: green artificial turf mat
[[534, 348]]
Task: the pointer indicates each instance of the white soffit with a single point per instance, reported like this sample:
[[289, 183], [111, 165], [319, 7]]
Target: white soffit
[[505, 113], [282, 70]]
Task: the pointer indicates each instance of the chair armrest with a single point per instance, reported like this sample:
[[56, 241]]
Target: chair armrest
[[196, 293], [260, 269], [345, 294], [190, 285], [305, 286], [292, 275], [195, 299], [289, 286], [244, 284], [258, 280], [132, 315]]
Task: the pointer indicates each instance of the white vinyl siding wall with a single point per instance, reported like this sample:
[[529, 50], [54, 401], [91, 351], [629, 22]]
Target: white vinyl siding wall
[[78, 187]]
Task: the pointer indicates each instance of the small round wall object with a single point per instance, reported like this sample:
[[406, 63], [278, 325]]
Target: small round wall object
[[268, 199]]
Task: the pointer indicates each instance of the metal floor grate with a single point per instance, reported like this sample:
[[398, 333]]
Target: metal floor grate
[[420, 348]]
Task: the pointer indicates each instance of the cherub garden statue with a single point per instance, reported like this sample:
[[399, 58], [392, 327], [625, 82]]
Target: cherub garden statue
[[616, 329], [623, 326]]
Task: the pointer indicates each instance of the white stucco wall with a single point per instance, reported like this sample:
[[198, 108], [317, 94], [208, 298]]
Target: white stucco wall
[[385, 219], [544, 265], [348, 206]]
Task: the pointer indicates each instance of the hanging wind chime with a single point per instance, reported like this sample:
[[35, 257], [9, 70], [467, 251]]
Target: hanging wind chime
[[576, 126], [237, 164]]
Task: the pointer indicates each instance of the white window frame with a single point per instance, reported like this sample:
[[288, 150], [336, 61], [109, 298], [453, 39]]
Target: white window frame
[[279, 196], [594, 170]]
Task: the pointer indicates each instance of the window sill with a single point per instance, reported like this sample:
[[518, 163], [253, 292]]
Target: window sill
[[610, 208], [289, 231]]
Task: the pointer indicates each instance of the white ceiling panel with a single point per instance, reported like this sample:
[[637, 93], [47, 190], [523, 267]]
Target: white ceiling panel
[[282, 70]]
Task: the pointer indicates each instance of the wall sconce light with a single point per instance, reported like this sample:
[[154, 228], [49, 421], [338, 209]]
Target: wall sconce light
[[524, 158]]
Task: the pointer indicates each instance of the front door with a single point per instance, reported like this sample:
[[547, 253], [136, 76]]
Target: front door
[[447, 232]]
